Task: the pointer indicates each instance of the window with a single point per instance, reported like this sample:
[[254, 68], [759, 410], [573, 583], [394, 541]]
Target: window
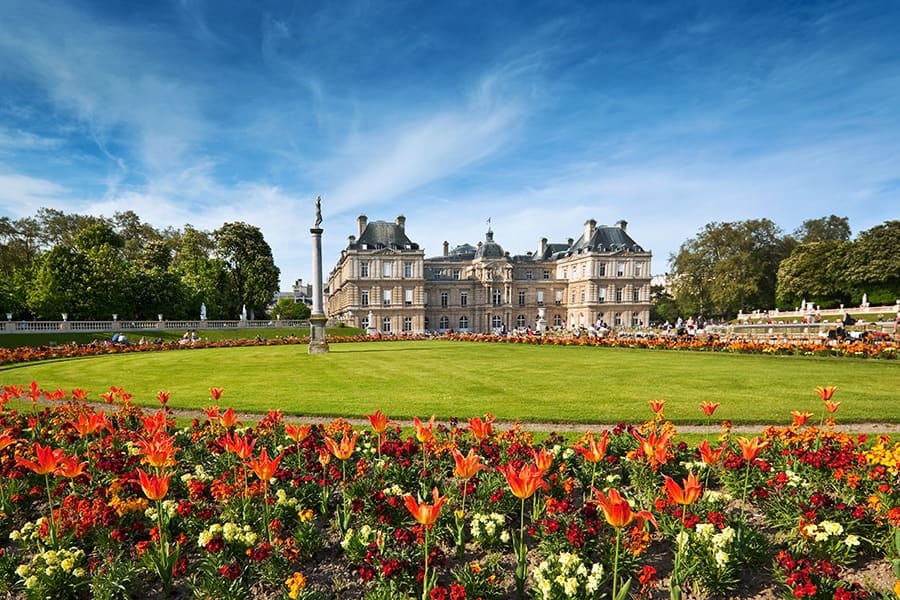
[[521, 297], [445, 297], [565, 274], [407, 269], [386, 324], [407, 323], [618, 295], [364, 297], [498, 298], [520, 321], [601, 295], [620, 269], [636, 294], [557, 320], [387, 297], [529, 274], [559, 296], [637, 269], [443, 323], [582, 296], [456, 274], [496, 322], [363, 269], [546, 273], [583, 270], [601, 269], [364, 323], [540, 297], [464, 323], [463, 298], [386, 270], [617, 320], [407, 297], [635, 321]]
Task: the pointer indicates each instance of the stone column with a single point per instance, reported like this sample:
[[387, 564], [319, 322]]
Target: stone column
[[317, 318]]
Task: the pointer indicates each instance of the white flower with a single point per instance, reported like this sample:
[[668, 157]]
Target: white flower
[[851, 541], [705, 530], [31, 582], [67, 565], [682, 539], [832, 528], [721, 558], [570, 587], [79, 572]]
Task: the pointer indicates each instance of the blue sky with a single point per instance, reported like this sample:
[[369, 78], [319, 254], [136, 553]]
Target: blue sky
[[537, 115]]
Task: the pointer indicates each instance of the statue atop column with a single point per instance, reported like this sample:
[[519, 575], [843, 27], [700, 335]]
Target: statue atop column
[[317, 319], [318, 211]]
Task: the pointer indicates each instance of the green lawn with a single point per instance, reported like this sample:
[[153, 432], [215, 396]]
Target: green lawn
[[529, 383]]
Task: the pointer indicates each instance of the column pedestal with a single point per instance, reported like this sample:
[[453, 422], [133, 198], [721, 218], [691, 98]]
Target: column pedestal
[[317, 320]]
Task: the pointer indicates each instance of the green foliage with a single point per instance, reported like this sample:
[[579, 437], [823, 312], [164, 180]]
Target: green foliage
[[251, 277], [286, 308], [826, 229], [814, 272], [873, 263]]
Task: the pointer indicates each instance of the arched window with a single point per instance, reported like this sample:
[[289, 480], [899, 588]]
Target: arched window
[[464, 323], [443, 323], [520, 321]]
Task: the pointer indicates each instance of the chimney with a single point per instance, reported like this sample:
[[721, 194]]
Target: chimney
[[363, 220], [590, 226], [446, 248], [570, 241], [622, 224], [401, 223], [542, 247]]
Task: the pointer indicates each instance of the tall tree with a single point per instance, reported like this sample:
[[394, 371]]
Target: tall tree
[[250, 271], [826, 229], [729, 267], [813, 272], [201, 274], [873, 264]]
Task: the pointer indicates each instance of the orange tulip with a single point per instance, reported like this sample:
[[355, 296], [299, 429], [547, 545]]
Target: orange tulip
[[47, 459], [68, 466], [481, 430], [379, 422], [228, 419], [424, 431], [708, 455], [296, 432], [6, 439], [542, 460], [657, 406], [826, 392], [426, 514], [159, 451], [750, 448], [163, 397], [800, 418], [216, 393], [239, 445], [593, 451], [688, 494], [618, 512], [709, 408], [155, 487], [154, 424], [466, 466], [79, 395], [324, 457], [345, 449], [212, 413], [525, 481], [85, 425], [831, 406], [264, 467], [654, 447]]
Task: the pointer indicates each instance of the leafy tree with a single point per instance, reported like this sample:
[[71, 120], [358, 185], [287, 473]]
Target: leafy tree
[[57, 285], [286, 308], [662, 305], [202, 276], [814, 272], [250, 272], [729, 267], [873, 264], [825, 229], [58, 227]]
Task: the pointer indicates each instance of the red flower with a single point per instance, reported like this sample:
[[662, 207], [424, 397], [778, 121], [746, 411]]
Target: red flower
[[426, 514], [68, 466], [379, 422], [239, 445], [228, 419], [481, 430], [524, 482], [424, 431], [657, 406], [216, 393], [617, 511], [47, 459], [466, 466], [654, 447], [158, 451], [826, 392], [750, 448], [264, 467], [710, 456], [831, 406], [6, 439], [799, 419], [345, 449], [163, 397], [296, 432], [543, 459]]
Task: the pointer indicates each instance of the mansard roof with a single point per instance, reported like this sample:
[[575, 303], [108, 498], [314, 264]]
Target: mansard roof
[[606, 239], [489, 249], [382, 234]]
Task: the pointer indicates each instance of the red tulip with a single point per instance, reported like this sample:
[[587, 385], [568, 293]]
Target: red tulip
[[163, 397], [296, 432], [345, 449], [618, 512], [159, 451], [216, 393], [831, 406], [800, 418], [710, 456], [543, 460], [481, 430], [593, 451], [379, 422], [47, 459], [524, 482], [826, 392], [654, 447], [228, 419], [264, 467], [239, 445], [657, 406], [709, 408], [750, 448], [424, 431], [68, 466], [6, 439]]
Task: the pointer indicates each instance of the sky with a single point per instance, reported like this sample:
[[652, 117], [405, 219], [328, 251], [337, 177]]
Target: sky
[[536, 115]]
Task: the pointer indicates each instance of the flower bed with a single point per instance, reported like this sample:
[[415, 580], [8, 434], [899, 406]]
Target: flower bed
[[123, 504]]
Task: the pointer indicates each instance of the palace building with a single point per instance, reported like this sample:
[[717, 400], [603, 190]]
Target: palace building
[[383, 282]]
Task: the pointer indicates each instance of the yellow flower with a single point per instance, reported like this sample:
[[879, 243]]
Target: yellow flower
[[305, 515], [295, 583]]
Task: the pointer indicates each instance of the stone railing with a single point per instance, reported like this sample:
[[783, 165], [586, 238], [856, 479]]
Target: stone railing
[[11, 326], [886, 311]]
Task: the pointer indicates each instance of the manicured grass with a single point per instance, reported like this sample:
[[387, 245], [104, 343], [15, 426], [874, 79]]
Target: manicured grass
[[20, 340], [529, 383]]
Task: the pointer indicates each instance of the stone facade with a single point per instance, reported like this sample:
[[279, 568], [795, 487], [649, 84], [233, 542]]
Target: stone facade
[[384, 283]]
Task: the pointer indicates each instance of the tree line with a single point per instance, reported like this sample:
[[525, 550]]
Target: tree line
[[94, 267], [753, 264]]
